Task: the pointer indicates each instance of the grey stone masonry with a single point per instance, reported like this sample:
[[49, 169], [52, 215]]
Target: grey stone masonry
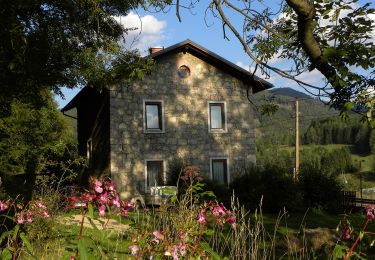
[[186, 121]]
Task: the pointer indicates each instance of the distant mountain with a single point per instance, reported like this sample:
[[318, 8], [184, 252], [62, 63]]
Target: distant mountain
[[289, 92], [279, 127]]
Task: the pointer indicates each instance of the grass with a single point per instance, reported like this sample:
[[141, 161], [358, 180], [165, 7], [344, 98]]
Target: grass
[[61, 242]]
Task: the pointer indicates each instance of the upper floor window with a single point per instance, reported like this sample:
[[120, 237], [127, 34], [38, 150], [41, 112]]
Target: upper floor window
[[153, 120], [219, 170], [217, 116]]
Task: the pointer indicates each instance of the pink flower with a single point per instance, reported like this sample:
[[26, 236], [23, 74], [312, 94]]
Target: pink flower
[[182, 248], [29, 218], [116, 202], [219, 210], [125, 213], [72, 258], [87, 197], [103, 198], [158, 235], [40, 205], [111, 186], [231, 219], [20, 219], [370, 211], [346, 233], [98, 186], [45, 214], [202, 217], [101, 209], [127, 205], [3, 206], [175, 253], [73, 198], [134, 249]]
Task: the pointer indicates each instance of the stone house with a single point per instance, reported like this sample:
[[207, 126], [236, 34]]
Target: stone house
[[193, 106]]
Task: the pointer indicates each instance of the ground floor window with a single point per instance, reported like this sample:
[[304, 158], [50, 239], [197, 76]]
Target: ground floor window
[[155, 173], [219, 170]]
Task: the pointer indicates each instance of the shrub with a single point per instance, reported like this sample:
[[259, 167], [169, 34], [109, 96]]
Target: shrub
[[221, 192], [320, 190], [278, 189], [273, 184]]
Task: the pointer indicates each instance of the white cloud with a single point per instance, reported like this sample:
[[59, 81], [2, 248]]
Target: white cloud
[[149, 31], [275, 59], [245, 66]]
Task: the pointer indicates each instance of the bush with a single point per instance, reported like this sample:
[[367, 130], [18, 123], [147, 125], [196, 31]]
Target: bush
[[221, 192], [278, 189], [273, 184], [320, 190]]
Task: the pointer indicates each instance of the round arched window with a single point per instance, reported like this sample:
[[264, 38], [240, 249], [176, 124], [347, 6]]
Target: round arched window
[[184, 71]]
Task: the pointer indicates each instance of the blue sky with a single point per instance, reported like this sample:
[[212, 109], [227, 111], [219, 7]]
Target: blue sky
[[164, 29]]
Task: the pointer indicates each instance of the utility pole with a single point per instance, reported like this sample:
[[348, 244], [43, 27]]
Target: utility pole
[[360, 181], [296, 168]]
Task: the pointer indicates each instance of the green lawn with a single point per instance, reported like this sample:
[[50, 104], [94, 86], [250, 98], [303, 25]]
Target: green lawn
[[60, 240]]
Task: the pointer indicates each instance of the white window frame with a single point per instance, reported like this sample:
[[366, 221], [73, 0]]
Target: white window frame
[[222, 130], [220, 158], [147, 188], [153, 131]]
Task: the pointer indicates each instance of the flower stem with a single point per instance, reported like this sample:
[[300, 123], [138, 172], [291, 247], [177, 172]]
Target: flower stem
[[351, 250], [82, 221]]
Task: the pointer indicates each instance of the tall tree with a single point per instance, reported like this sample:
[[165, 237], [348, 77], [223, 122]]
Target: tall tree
[[332, 36], [47, 44]]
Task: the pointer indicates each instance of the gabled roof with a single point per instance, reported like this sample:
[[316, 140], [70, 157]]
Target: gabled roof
[[245, 76]]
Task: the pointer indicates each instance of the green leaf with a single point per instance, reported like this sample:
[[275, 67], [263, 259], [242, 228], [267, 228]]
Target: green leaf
[[372, 243], [82, 250], [26, 242], [361, 234], [336, 15], [15, 231], [5, 235], [348, 106], [92, 223], [91, 211], [339, 252], [6, 254]]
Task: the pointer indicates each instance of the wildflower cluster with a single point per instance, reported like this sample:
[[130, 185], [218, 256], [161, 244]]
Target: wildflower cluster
[[25, 214], [161, 246], [103, 195], [219, 212], [184, 240]]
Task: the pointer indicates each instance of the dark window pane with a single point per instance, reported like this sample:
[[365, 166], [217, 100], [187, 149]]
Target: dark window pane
[[219, 171], [153, 116], [155, 173]]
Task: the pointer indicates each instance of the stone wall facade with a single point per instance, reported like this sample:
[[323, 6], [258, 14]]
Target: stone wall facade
[[186, 125]]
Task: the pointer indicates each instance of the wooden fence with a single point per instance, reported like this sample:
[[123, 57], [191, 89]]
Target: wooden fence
[[350, 200]]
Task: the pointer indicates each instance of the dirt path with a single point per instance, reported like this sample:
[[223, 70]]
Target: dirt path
[[111, 225]]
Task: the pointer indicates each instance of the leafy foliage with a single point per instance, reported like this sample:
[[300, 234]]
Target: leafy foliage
[[342, 30], [276, 188], [35, 142]]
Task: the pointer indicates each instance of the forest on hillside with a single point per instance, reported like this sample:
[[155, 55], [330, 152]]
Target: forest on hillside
[[319, 124]]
